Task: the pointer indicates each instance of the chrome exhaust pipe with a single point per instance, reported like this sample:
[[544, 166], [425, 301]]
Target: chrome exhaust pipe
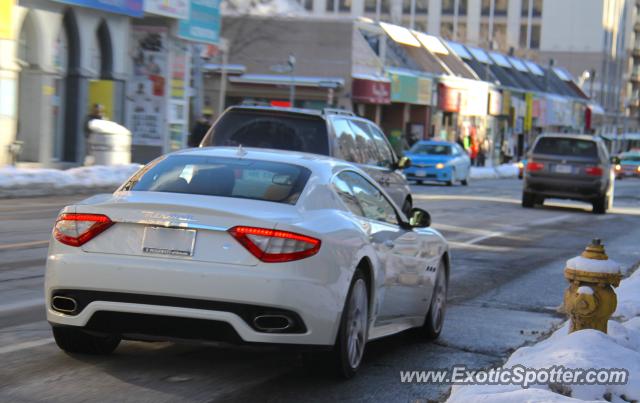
[[64, 304], [272, 323]]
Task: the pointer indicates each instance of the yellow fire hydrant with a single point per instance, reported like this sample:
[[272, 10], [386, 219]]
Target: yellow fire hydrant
[[590, 300]]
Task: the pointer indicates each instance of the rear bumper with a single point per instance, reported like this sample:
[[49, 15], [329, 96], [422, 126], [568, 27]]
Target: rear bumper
[[141, 297], [565, 188], [428, 174]]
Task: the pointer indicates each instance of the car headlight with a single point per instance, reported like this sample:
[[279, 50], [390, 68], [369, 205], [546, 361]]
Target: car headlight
[[520, 165], [618, 167], [439, 165], [638, 169]]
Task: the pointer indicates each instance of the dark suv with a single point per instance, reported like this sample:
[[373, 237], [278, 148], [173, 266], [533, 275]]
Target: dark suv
[[569, 166], [335, 133]]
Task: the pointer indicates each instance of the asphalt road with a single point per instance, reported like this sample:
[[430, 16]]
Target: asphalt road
[[506, 285]]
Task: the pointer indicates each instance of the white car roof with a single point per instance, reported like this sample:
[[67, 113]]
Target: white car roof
[[318, 164]]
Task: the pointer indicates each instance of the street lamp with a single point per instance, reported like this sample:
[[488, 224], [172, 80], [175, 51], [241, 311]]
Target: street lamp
[[289, 67]]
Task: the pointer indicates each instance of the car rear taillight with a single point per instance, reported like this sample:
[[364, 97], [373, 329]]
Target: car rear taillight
[[593, 171], [534, 166], [273, 246], [77, 229]]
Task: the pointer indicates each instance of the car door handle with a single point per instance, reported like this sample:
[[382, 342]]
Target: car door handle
[[389, 243]]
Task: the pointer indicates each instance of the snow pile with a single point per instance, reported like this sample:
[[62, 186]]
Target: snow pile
[[501, 171], [585, 349], [628, 297], [593, 265], [22, 182]]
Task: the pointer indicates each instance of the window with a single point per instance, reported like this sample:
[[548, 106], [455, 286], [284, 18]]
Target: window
[[461, 33], [421, 6], [537, 8], [346, 139], [446, 30], [370, 6], [535, 37], [308, 4], [567, 147], [384, 149], [448, 7], [345, 5], [343, 190], [225, 177], [430, 149], [486, 7], [372, 202], [500, 7], [364, 142], [268, 129]]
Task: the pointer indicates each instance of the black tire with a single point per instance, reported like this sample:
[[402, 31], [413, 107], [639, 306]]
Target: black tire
[[435, 316], [600, 205], [75, 341], [346, 366], [465, 182], [528, 199], [406, 208], [418, 182]]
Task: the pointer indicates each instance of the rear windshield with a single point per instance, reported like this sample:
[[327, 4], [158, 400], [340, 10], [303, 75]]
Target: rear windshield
[[431, 149], [567, 147], [635, 158], [226, 177], [260, 129]]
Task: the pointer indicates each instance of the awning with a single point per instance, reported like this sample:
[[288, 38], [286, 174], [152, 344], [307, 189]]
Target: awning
[[230, 68], [298, 81], [370, 89]]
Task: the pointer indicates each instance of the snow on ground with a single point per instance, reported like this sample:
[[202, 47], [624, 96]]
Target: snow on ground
[[585, 349], [500, 171], [21, 182]]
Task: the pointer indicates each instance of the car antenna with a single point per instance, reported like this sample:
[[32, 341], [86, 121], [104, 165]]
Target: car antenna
[[241, 151]]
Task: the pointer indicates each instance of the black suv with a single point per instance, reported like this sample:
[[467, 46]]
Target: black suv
[[331, 132]]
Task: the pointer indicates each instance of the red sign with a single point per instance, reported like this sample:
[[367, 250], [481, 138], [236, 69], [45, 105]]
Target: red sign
[[371, 92], [449, 99], [282, 104]]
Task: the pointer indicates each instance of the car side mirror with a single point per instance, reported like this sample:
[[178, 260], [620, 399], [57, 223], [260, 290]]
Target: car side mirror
[[419, 218], [615, 160], [405, 162]]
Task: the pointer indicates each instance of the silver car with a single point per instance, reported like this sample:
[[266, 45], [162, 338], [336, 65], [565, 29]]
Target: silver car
[[336, 133], [569, 166]]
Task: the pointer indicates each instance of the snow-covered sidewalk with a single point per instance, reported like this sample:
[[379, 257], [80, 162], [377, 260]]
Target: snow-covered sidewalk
[[585, 349], [497, 172], [25, 182]]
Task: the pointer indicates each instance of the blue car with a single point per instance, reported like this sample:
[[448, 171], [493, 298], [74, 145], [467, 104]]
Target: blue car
[[629, 165], [438, 161]]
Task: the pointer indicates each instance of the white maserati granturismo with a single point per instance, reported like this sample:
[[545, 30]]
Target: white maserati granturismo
[[247, 246]]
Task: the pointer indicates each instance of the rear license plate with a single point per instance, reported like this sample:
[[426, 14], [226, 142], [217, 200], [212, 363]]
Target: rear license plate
[[169, 241], [421, 173], [563, 169]]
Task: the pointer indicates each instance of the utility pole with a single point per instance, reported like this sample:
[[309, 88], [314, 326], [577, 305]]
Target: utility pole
[[378, 10], [224, 49], [412, 15], [292, 92]]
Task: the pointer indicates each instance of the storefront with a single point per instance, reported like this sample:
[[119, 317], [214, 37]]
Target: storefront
[[158, 89], [408, 118], [368, 94], [69, 55]]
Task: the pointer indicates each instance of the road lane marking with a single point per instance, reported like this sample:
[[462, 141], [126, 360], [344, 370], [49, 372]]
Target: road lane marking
[[19, 245], [31, 303], [536, 223], [25, 345]]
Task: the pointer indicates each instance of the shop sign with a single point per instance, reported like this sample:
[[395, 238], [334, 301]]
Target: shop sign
[[558, 111], [449, 98], [371, 91], [203, 24], [404, 88], [6, 19], [495, 103], [178, 105], [147, 88], [425, 91], [168, 8], [475, 100], [132, 8], [506, 102], [528, 114]]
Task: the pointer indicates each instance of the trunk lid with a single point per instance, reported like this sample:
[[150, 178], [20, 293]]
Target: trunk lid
[[158, 224]]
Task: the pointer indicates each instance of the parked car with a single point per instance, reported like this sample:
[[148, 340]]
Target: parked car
[[248, 246], [438, 161], [569, 166], [335, 133], [629, 165]]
